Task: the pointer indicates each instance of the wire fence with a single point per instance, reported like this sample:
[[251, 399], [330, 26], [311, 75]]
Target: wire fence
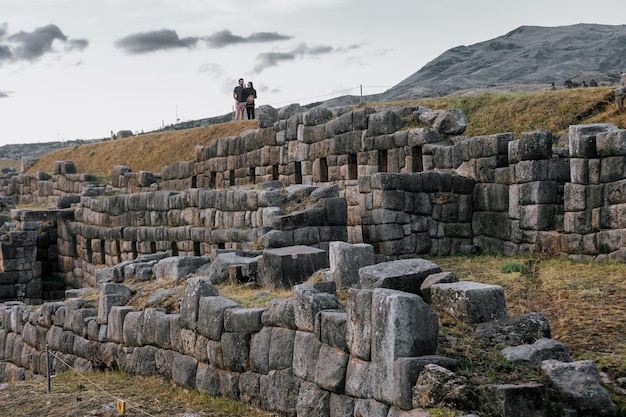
[[126, 404]]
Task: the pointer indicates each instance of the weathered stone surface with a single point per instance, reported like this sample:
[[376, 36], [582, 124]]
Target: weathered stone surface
[[580, 383], [306, 349], [341, 405], [266, 115], [370, 408], [308, 302], [358, 378], [260, 350], [437, 278], [111, 295], [313, 401], [283, 268], [403, 325], [195, 288], [236, 351], [207, 380], [178, 266], [282, 391], [218, 270], [346, 259], [513, 331], [539, 351], [470, 301], [359, 323], [406, 372], [243, 319], [281, 348], [383, 123], [211, 316], [404, 275], [330, 328], [280, 313], [451, 122], [520, 400], [250, 389], [330, 372], [184, 371], [437, 387]]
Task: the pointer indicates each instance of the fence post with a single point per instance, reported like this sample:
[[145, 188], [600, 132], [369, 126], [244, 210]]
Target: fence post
[[48, 370]]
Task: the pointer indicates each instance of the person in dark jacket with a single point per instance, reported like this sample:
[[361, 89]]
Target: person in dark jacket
[[250, 94], [240, 100]]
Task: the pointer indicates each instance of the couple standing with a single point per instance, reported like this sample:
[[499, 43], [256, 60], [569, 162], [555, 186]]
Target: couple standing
[[244, 100]]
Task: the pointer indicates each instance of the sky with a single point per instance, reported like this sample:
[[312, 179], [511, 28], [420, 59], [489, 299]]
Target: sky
[[80, 69]]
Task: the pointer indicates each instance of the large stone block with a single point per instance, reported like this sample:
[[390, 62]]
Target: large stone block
[[358, 378], [359, 323], [330, 328], [282, 391], [306, 350], [403, 325], [179, 266], [211, 316], [285, 267], [243, 319], [535, 145], [280, 313], [404, 275], [313, 401], [346, 259], [519, 400], [330, 372], [281, 348], [184, 371], [111, 295], [236, 351], [195, 288], [260, 350], [470, 301], [308, 302], [133, 328]]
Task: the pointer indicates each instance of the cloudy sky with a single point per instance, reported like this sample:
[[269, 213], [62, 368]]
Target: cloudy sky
[[78, 69]]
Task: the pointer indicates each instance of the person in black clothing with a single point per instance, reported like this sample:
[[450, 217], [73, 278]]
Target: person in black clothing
[[240, 100], [250, 94]]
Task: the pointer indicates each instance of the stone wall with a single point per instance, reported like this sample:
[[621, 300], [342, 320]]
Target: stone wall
[[320, 176], [301, 354]]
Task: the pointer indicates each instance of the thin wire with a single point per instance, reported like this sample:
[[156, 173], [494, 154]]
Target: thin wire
[[96, 385]]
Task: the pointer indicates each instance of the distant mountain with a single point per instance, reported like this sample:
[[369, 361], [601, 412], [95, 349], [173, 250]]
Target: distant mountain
[[525, 58]]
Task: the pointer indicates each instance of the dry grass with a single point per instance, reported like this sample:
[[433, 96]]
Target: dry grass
[[76, 395], [584, 303], [148, 152]]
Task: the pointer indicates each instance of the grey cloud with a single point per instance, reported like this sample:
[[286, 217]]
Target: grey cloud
[[146, 42], [226, 37], [5, 94], [272, 59], [77, 45], [211, 68], [31, 46]]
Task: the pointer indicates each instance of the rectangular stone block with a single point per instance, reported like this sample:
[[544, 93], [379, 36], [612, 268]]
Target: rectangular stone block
[[330, 328], [281, 348], [403, 325], [211, 316], [330, 372], [306, 350], [288, 266], [243, 319], [469, 301]]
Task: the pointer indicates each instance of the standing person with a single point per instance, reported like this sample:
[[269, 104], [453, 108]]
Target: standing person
[[240, 100], [250, 94]]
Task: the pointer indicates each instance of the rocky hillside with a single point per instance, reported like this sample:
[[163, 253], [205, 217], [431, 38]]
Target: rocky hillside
[[527, 56]]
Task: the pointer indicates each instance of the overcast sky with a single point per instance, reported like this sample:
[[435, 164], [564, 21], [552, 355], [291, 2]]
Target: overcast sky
[[78, 69]]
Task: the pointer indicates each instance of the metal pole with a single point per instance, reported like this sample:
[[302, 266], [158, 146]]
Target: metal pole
[[361, 85], [48, 369]]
